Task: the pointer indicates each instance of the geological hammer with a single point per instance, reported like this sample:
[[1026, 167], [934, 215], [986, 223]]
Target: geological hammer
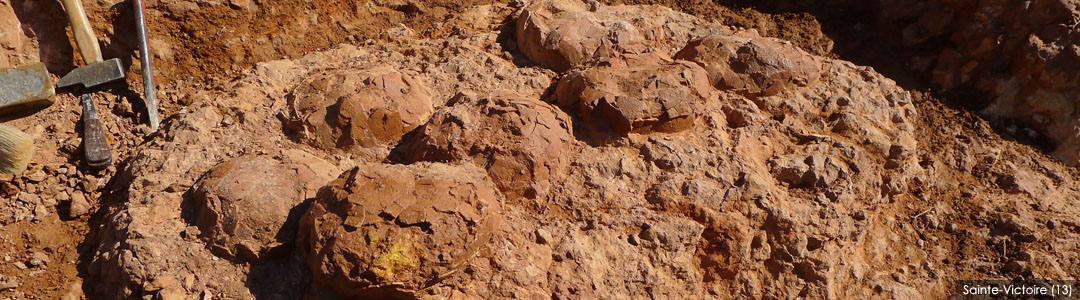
[[25, 88], [95, 72]]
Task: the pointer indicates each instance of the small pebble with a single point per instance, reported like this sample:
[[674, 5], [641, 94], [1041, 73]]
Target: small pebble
[[38, 260], [542, 236]]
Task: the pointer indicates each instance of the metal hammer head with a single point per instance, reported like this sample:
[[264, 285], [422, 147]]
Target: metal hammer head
[[93, 74], [25, 87]]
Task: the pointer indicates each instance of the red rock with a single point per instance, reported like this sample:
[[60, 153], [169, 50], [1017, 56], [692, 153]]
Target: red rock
[[521, 142], [752, 65], [638, 94], [389, 231], [244, 204], [361, 108], [563, 34]]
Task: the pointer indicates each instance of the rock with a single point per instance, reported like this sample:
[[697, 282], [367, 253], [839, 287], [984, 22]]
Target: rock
[[315, 171], [62, 196], [40, 212], [752, 65], [38, 260], [672, 154], [37, 176], [20, 265], [75, 291], [247, 5], [180, 8], [542, 236], [160, 283], [1026, 76], [638, 94], [1014, 266], [29, 198], [521, 142], [562, 34], [390, 230], [1012, 224], [17, 47], [930, 220], [8, 284], [358, 108], [861, 215], [951, 228], [813, 171], [78, 206], [245, 204], [90, 183]]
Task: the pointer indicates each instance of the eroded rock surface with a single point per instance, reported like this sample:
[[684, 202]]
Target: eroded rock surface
[[361, 108], [390, 231], [147, 243], [1011, 59], [846, 186], [752, 65], [522, 142], [639, 94], [248, 206], [561, 34]]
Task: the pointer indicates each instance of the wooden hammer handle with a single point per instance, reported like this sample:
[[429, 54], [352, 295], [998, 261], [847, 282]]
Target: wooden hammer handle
[[84, 34]]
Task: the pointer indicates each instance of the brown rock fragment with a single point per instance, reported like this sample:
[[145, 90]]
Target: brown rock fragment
[[360, 108], [638, 94], [752, 65], [564, 34], [77, 206], [244, 205], [813, 171], [388, 231]]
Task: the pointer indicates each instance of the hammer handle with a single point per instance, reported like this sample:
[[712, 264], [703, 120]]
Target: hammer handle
[[95, 146], [84, 34]]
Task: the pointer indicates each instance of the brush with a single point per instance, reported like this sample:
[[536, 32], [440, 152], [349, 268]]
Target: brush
[[16, 149]]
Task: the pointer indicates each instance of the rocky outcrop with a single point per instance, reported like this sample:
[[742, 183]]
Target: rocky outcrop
[[1014, 60], [799, 176], [523, 143], [13, 39], [149, 241], [1022, 54], [391, 231]]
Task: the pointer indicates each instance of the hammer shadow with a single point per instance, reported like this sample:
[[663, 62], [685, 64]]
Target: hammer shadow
[[47, 21]]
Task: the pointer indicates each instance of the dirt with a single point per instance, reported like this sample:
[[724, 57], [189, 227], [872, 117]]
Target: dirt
[[664, 172]]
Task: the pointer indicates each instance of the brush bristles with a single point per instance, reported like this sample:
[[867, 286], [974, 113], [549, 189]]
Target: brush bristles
[[16, 149]]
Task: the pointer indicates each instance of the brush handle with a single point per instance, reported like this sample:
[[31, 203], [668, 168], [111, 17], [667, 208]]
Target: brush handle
[[84, 34], [96, 148]]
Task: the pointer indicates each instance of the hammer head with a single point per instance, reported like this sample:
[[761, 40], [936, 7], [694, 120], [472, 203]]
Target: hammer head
[[25, 87], [93, 74]]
